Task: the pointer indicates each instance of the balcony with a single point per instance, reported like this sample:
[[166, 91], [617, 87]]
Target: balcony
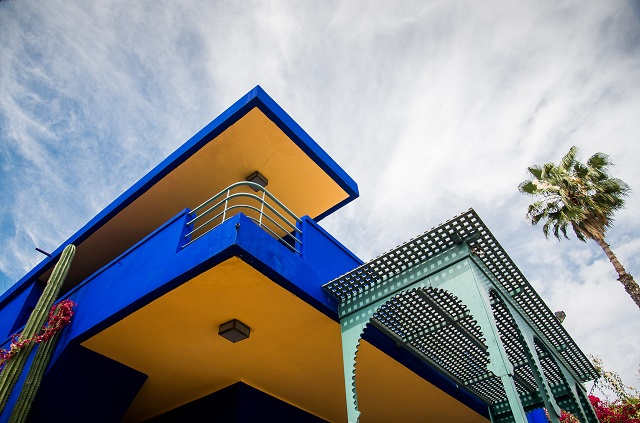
[[243, 220], [256, 203]]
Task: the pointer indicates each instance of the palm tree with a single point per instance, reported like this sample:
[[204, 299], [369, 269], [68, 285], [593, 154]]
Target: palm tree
[[583, 197]]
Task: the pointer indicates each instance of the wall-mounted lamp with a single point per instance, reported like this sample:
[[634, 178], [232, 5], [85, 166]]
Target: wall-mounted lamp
[[258, 178], [234, 330]]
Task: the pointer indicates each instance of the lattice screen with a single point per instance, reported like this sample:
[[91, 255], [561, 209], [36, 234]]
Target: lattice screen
[[412, 314]]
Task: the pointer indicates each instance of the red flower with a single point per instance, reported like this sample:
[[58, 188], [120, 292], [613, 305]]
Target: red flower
[[616, 411], [59, 316]]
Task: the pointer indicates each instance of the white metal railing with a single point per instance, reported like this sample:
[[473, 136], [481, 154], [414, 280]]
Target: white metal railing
[[264, 209]]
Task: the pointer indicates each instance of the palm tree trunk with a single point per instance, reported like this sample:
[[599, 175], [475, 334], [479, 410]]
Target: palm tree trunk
[[625, 278]]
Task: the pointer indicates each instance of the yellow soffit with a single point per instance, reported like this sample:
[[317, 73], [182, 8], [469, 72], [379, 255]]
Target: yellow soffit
[[252, 143], [293, 353]]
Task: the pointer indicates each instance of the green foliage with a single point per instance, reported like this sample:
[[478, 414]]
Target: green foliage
[[610, 381], [11, 372], [625, 407], [574, 195]]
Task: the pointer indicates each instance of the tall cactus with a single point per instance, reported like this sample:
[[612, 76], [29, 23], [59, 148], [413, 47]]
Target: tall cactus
[[11, 372], [34, 377]]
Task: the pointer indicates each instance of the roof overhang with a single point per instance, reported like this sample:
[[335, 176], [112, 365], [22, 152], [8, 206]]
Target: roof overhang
[[292, 353], [253, 134]]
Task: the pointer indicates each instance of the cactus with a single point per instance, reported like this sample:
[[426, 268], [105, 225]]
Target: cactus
[[13, 368], [59, 317], [34, 377]]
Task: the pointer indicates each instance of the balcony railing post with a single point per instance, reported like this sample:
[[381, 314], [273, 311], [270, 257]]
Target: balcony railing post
[[226, 203], [261, 208], [281, 227]]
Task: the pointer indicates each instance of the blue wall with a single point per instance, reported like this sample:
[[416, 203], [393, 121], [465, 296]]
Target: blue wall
[[325, 254], [537, 416], [157, 265], [17, 308]]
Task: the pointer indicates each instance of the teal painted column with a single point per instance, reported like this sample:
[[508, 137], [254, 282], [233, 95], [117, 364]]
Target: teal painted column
[[583, 399], [473, 290], [528, 343], [350, 340], [587, 413], [355, 313], [584, 408]]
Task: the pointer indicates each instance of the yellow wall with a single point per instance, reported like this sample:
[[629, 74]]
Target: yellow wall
[[293, 353]]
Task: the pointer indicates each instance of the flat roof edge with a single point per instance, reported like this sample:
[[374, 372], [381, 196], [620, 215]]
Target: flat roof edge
[[256, 97], [300, 137]]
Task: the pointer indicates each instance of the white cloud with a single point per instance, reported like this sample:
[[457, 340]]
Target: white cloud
[[431, 107]]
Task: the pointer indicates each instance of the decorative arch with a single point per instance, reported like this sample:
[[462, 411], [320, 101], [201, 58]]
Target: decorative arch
[[425, 321], [462, 258], [438, 317]]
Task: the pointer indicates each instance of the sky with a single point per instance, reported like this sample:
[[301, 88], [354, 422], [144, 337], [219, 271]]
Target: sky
[[432, 107]]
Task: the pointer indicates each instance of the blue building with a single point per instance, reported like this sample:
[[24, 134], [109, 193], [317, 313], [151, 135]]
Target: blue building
[[208, 291]]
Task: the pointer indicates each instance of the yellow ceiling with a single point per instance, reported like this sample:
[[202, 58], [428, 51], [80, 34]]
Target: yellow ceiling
[[293, 353], [389, 392], [254, 142]]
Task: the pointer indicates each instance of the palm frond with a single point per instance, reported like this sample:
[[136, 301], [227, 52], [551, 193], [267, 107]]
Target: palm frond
[[599, 161], [536, 171], [622, 188], [580, 170], [563, 228], [527, 187], [569, 159], [547, 170], [578, 233]]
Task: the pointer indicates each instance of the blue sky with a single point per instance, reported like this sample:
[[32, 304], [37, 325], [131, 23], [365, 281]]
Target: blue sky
[[432, 107]]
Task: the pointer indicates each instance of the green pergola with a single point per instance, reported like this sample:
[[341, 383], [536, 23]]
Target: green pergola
[[454, 298]]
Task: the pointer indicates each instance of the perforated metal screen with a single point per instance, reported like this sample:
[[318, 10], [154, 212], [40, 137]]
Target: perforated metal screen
[[423, 318]]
